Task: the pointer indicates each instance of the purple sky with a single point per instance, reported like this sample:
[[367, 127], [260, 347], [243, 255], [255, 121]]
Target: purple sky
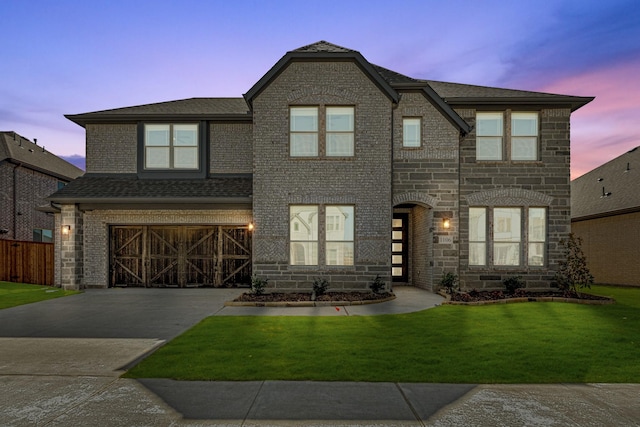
[[67, 57]]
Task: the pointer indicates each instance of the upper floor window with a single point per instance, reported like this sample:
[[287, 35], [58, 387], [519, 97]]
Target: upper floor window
[[42, 235], [411, 132], [321, 131], [171, 146], [522, 141]]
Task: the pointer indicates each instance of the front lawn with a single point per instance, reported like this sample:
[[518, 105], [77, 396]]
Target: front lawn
[[13, 294], [507, 343]]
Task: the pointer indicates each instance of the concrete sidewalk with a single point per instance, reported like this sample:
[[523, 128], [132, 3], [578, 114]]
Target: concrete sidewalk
[[54, 380]]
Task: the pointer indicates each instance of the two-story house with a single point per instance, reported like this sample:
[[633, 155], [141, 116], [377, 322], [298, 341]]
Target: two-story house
[[329, 166], [29, 174]]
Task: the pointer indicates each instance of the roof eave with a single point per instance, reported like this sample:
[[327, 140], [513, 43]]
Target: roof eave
[[152, 200], [446, 110], [97, 118], [573, 102]]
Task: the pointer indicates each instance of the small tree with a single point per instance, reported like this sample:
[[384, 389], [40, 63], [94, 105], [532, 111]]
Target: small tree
[[573, 272], [258, 285], [449, 281]]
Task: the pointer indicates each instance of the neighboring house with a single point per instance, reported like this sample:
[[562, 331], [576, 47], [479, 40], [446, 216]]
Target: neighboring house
[[605, 214], [28, 174], [347, 170]]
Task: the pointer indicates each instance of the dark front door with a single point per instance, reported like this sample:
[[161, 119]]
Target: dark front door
[[400, 247], [180, 256]]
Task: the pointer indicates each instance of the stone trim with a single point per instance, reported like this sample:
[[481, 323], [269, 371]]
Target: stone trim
[[415, 197], [509, 197]]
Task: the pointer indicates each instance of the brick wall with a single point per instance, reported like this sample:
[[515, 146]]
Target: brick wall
[[611, 245], [31, 189], [543, 183], [112, 148], [363, 181], [231, 148]]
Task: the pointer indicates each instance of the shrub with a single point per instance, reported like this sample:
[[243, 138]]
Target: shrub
[[320, 286], [449, 281], [377, 285], [512, 283], [573, 272], [258, 285]]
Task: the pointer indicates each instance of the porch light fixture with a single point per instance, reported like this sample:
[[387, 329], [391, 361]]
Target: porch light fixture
[[66, 229], [250, 227], [446, 223]]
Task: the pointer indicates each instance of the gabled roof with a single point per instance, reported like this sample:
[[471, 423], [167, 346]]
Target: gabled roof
[[322, 50], [128, 188], [188, 109], [610, 189], [19, 150]]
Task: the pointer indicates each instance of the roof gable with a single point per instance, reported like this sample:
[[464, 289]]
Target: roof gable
[[20, 150], [322, 51], [611, 188]]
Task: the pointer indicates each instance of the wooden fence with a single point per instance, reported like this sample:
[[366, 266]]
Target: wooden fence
[[26, 262]]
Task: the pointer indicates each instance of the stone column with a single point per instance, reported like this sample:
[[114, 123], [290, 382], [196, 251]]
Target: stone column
[[71, 250]]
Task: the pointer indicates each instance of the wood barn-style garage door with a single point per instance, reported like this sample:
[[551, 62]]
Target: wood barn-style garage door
[[180, 256]]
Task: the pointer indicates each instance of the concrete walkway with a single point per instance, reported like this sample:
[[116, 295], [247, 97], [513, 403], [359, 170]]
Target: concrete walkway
[[58, 378]]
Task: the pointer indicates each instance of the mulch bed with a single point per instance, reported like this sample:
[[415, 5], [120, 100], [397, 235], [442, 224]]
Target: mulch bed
[[301, 297], [523, 295]]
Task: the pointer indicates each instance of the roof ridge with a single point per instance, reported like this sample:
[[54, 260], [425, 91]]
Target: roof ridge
[[323, 46]]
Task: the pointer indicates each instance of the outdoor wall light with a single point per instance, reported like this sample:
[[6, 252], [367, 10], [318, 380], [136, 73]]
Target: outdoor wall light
[[446, 223], [66, 229], [250, 227]]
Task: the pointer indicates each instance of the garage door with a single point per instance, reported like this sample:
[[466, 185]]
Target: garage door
[[180, 256]]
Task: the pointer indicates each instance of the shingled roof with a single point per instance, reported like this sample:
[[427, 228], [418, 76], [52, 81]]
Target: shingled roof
[[19, 150], [610, 189], [128, 188]]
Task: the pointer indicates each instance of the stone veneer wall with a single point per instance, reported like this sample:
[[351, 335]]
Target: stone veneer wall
[[363, 181], [543, 183], [71, 254], [96, 232]]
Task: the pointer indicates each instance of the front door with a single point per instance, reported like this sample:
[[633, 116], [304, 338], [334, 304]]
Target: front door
[[400, 248]]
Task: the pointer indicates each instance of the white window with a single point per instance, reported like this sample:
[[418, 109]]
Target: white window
[[477, 236], [524, 136], [339, 235], [326, 131], [171, 146], [411, 131], [303, 235], [489, 134], [337, 247], [340, 135], [513, 239], [303, 131]]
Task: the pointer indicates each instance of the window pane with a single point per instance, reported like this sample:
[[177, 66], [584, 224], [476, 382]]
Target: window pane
[[303, 221], [536, 254], [411, 132], [506, 224], [489, 124], [47, 236], [477, 224], [506, 253], [304, 253], [477, 254], [185, 135], [397, 235], [340, 119], [157, 158], [339, 144], [488, 148], [341, 219], [156, 135], [396, 271], [396, 259], [37, 235], [396, 223], [339, 253], [537, 225], [524, 124], [304, 144], [304, 119], [185, 158], [524, 148], [396, 247]]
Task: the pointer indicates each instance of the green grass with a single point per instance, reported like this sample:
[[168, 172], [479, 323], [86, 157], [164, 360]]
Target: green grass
[[504, 343], [13, 294]]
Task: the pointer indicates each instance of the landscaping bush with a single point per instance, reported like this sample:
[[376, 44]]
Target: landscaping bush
[[512, 283], [320, 286], [377, 285], [449, 281], [258, 285], [573, 272]]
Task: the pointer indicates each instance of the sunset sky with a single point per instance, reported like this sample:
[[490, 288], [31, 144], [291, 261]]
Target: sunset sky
[[66, 57]]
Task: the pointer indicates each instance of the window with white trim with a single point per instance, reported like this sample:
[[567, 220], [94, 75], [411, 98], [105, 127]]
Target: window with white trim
[[507, 236], [322, 131], [521, 143], [411, 132], [337, 247]]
